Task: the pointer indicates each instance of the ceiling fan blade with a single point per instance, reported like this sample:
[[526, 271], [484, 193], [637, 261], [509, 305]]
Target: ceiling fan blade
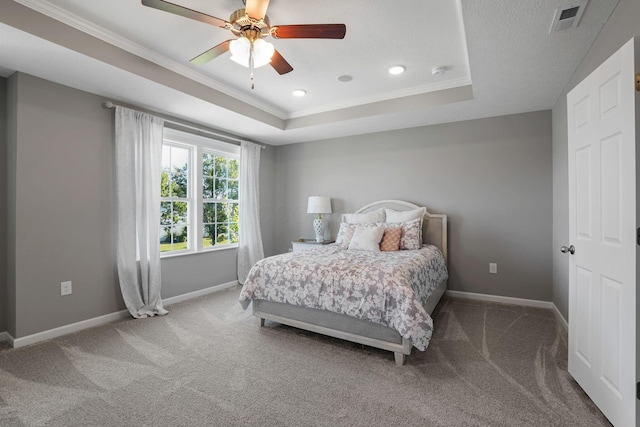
[[212, 53], [256, 9], [187, 13], [309, 31], [280, 64]]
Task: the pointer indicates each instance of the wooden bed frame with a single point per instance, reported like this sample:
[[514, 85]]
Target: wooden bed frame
[[351, 329]]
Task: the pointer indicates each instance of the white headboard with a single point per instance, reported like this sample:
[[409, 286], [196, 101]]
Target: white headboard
[[434, 229]]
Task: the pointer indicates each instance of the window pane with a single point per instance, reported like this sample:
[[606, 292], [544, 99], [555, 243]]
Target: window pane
[[165, 239], [232, 193], [222, 237], [180, 238], [179, 157], [208, 233], [208, 164], [233, 169], [234, 212], [179, 212], [221, 212], [165, 213], [221, 189], [176, 166], [179, 178], [233, 232], [208, 213], [207, 188], [221, 167], [165, 184]]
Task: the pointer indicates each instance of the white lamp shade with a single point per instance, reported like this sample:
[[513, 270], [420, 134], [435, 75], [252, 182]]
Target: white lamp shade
[[319, 205], [241, 47]]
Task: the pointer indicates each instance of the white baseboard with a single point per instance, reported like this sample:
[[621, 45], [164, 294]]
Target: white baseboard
[[101, 320], [69, 329], [561, 318], [196, 294], [504, 300], [511, 300]]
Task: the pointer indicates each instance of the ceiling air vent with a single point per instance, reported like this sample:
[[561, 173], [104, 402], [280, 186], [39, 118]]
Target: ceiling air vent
[[567, 17]]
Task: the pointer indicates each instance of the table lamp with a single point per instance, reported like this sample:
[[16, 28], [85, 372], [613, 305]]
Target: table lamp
[[319, 205]]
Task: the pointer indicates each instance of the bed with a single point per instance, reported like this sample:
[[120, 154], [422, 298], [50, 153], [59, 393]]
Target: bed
[[275, 291]]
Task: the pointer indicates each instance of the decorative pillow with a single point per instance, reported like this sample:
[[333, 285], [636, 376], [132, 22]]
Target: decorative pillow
[[345, 233], [411, 232], [391, 239], [406, 216], [367, 239], [365, 218]]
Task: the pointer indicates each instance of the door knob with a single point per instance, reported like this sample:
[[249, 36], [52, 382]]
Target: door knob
[[571, 249]]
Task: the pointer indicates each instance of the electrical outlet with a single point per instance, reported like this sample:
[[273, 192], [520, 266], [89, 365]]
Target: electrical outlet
[[493, 268], [65, 288]]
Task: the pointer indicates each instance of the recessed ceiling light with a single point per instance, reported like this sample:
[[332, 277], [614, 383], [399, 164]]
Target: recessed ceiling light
[[299, 92], [397, 69], [345, 78]]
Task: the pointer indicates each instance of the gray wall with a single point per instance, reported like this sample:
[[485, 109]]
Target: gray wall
[[63, 207], [491, 176], [64, 212], [623, 24], [3, 204]]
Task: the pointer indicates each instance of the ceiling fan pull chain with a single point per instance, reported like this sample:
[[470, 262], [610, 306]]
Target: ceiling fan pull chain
[[251, 64]]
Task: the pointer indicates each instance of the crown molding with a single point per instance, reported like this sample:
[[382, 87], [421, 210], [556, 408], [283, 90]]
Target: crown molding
[[92, 29]]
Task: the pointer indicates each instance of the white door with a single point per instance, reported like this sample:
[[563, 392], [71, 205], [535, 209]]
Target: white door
[[602, 225]]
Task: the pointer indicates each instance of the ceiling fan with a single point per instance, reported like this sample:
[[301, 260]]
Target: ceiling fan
[[251, 25]]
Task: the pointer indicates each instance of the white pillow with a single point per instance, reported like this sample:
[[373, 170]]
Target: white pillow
[[365, 218], [404, 216], [367, 239]]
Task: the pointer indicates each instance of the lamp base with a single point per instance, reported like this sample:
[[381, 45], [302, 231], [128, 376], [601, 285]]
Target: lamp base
[[318, 227]]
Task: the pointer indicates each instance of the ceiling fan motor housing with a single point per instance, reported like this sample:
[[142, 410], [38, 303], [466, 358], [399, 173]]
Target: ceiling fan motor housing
[[244, 25]]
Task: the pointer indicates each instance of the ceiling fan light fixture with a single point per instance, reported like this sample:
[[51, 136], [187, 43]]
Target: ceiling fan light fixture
[[241, 52], [262, 52]]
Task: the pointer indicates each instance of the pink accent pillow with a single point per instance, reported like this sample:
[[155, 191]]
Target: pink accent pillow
[[391, 239]]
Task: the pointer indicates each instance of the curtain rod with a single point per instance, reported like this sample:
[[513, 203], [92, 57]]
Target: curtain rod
[[110, 104]]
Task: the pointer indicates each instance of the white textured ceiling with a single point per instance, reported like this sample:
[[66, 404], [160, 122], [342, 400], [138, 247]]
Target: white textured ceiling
[[499, 55]]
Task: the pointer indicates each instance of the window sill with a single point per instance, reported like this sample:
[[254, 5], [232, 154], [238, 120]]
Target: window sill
[[203, 251]]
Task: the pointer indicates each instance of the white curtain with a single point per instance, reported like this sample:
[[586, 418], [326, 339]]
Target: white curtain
[[138, 168], [250, 248]]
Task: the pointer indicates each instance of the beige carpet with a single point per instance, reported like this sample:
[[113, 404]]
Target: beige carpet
[[209, 364]]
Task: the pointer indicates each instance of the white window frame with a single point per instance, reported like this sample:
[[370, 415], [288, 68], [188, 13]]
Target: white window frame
[[189, 199], [199, 146]]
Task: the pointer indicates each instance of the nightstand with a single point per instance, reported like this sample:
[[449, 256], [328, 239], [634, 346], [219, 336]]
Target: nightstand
[[307, 244]]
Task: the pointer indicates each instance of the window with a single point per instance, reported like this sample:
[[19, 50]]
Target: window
[[199, 207]]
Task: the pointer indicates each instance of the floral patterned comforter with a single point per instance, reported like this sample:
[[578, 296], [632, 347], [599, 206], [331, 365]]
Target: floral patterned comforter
[[389, 288]]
